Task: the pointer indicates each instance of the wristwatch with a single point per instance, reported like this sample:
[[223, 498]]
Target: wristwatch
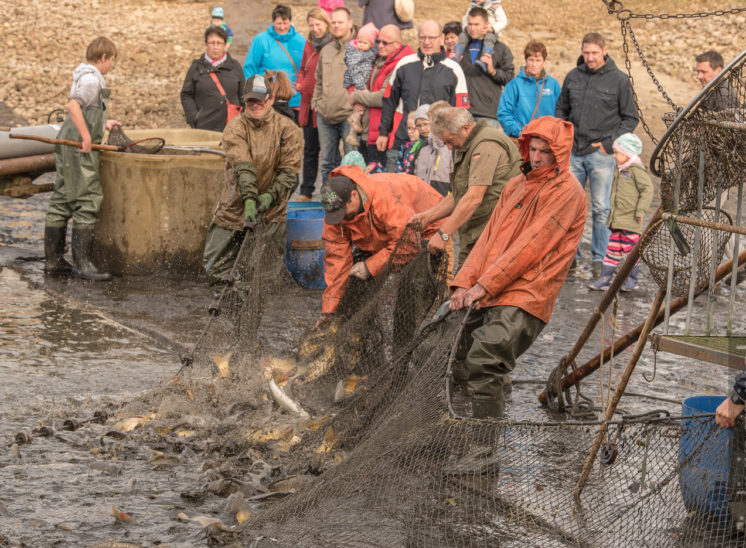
[[735, 398], [443, 235]]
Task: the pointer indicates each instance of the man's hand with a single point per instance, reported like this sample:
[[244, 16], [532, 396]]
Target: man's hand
[[436, 244], [462, 298], [360, 109], [382, 143], [249, 214], [726, 413], [418, 220], [85, 147], [297, 86], [111, 124], [359, 270], [323, 321], [265, 202], [600, 147]]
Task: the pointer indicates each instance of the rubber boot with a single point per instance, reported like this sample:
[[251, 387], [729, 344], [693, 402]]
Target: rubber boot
[[82, 250], [54, 249], [481, 64], [604, 280], [630, 284]]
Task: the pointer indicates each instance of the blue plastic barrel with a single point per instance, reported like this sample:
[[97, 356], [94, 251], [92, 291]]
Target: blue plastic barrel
[[304, 252], [704, 457]]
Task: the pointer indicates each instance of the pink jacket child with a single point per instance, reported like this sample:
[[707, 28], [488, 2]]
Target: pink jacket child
[[329, 5]]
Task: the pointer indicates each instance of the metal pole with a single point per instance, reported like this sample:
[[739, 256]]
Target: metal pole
[[733, 276], [672, 249], [713, 266], [694, 256], [618, 393]]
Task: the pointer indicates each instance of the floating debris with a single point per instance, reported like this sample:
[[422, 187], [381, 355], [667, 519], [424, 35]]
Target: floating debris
[[222, 362], [122, 517]]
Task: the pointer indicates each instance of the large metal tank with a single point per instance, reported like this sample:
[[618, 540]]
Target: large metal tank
[[157, 207]]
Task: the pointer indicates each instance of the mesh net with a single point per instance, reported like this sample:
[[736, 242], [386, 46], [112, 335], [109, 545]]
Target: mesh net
[[709, 135], [702, 243], [149, 145]]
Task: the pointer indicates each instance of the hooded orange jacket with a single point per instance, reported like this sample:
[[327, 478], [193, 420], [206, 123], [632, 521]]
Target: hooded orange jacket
[[523, 256], [390, 201]]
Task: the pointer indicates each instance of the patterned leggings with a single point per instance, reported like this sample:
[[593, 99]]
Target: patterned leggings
[[621, 243]]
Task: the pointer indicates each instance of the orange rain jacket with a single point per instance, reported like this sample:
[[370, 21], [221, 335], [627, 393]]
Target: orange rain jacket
[[390, 201], [523, 256]]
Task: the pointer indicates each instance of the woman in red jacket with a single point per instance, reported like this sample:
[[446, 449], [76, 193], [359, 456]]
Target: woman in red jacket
[[318, 37]]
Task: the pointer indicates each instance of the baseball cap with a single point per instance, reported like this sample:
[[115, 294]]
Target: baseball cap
[[334, 197], [218, 12], [257, 87]]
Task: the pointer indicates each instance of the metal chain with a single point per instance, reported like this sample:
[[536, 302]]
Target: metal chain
[[616, 7], [628, 65]]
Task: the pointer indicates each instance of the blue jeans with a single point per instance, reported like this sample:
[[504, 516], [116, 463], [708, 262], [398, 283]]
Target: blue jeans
[[329, 137], [598, 169]]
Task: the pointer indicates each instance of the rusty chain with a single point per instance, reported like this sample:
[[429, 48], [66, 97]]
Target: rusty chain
[[615, 7]]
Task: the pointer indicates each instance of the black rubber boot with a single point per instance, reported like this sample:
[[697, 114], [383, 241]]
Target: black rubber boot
[[82, 249], [54, 249]]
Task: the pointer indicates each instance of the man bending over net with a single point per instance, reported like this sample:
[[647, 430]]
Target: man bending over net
[[370, 212], [517, 267]]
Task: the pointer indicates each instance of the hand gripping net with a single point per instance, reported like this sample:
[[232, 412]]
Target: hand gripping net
[[149, 145]]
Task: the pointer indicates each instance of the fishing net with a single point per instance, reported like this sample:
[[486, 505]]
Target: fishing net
[[149, 145], [705, 138], [701, 244]]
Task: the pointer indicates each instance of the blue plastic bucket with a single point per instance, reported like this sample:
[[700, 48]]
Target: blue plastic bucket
[[704, 457], [304, 252]]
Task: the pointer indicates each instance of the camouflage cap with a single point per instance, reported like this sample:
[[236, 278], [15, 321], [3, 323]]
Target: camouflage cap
[[334, 197]]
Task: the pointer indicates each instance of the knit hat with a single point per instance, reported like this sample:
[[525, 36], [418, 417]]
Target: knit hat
[[368, 32], [421, 113], [217, 13], [629, 144], [353, 158]]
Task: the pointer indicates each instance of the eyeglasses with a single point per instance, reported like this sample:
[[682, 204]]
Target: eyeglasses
[[384, 42], [425, 38]]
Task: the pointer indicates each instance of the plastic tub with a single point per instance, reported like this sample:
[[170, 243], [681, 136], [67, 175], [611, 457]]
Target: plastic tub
[[704, 457], [304, 256]]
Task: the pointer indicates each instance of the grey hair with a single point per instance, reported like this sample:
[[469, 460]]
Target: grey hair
[[450, 119]]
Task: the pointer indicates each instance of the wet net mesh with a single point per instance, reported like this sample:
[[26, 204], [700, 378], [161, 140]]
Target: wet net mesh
[[150, 145], [387, 456], [700, 156]]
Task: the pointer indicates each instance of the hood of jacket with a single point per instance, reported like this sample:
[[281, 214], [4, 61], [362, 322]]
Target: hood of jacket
[[85, 68], [289, 35], [555, 131]]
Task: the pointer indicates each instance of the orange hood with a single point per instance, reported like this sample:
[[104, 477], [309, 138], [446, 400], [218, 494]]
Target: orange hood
[[558, 133]]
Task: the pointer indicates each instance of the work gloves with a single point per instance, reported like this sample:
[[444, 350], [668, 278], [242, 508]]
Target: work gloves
[[265, 201], [249, 214]]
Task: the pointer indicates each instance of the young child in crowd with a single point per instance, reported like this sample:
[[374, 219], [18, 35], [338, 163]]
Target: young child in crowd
[[407, 156], [218, 20], [498, 21], [329, 5], [631, 195], [360, 55], [77, 191]]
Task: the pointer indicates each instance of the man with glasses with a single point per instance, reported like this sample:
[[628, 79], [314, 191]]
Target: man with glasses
[[421, 78], [390, 52], [485, 159]]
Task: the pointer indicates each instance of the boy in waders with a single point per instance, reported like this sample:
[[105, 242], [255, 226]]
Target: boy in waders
[[77, 190]]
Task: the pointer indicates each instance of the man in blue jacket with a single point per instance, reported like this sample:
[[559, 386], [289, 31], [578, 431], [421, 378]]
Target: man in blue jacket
[[597, 98], [279, 48], [531, 94]]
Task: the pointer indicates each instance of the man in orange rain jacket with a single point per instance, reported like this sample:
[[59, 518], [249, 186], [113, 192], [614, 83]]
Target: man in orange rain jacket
[[517, 267], [370, 212]]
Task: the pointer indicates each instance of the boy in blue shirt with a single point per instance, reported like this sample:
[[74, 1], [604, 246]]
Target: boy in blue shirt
[[218, 20]]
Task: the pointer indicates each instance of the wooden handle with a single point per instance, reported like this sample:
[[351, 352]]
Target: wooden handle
[[62, 142]]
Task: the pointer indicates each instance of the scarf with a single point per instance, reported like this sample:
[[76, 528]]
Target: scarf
[[633, 159], [218, 62], [321, 41]]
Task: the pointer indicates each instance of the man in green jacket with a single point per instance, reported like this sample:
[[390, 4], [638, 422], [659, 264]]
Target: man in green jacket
[[485, 159]]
